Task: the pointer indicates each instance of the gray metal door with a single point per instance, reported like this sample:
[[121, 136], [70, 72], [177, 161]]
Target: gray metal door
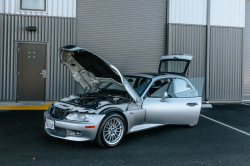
[[128, 34], [31, 72]]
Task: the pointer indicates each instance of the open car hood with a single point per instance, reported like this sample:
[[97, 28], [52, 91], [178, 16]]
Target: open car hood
[[175, 64], [89, 70]]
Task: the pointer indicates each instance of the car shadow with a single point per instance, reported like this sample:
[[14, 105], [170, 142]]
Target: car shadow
[[135, 137]]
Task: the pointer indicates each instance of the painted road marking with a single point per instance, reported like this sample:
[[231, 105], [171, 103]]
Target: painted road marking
[[225, 125]]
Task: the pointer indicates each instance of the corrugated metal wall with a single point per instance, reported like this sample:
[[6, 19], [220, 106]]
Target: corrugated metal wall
[[188, 12], [229, 13], [57, 32], [128, 34], [246, 91], [225, 57], [189, 39], [226, 63], [62, 8], [226, 43]]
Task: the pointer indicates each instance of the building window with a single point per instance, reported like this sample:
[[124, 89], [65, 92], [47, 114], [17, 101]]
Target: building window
[[39, 5]]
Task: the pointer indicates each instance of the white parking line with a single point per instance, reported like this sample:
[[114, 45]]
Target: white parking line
[[225, 125]]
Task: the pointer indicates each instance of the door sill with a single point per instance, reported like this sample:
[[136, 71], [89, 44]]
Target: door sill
[[143, 127]]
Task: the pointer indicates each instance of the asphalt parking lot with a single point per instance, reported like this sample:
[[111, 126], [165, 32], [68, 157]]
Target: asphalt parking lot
[[224, 139]]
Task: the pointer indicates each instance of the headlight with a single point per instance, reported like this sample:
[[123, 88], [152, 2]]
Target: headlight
[[50, 106], [79, 117]]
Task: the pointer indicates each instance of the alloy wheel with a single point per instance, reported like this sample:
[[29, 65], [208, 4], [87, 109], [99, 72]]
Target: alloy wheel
[[113, 130]]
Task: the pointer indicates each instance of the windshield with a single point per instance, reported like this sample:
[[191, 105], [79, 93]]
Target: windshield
[[115, 86], [138, 83]]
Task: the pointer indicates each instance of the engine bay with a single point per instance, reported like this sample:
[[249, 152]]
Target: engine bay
[[98, 99]]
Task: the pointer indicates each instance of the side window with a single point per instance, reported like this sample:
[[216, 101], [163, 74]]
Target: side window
[[181, 86], [37, 5], [176, 88], [183, 89], [159, 87]]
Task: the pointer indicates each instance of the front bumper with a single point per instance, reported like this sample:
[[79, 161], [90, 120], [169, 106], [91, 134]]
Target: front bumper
[[65, 129]]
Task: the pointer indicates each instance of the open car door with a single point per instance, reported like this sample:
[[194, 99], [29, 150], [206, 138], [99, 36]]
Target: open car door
[[182, 104]]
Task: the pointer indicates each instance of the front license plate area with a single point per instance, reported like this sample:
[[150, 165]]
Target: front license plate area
[[50, 124]]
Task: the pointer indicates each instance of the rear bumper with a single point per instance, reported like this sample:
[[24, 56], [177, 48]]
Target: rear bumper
[[66, 129]]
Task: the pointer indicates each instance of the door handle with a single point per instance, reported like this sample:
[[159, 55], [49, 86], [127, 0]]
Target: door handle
[[43, 73], [192, 104]]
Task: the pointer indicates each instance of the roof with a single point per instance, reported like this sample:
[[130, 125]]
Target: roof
[[152, 75], [147, 75]]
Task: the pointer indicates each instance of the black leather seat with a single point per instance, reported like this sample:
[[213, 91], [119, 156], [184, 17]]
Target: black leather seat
[[155, 87]]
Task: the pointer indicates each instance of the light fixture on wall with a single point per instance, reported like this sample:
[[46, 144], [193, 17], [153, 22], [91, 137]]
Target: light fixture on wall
[[31, 28]]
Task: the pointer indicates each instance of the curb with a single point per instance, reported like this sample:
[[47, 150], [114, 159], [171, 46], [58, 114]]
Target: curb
[[25, 107]]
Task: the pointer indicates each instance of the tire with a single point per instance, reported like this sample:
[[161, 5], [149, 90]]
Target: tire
[[111, 130]]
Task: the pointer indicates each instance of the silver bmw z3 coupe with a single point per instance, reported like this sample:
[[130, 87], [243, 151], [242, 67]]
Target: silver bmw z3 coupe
[[112, 105]]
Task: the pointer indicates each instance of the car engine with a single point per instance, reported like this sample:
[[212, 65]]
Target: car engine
[[96, 100]]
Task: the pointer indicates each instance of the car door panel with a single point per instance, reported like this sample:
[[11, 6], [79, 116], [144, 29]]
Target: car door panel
[[172, 111]]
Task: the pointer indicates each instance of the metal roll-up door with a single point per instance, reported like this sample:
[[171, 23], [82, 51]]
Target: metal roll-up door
[[128, 34], [246, 90]]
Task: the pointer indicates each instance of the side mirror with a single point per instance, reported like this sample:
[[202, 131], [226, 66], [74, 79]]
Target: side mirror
[[165, 95]]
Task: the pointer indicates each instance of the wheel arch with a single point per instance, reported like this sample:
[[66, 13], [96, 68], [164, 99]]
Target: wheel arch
[[118, 111]]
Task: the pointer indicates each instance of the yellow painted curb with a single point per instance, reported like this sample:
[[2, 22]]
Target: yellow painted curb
[[25, 107]]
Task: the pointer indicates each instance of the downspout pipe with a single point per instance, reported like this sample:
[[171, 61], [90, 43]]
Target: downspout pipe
[[208, 51]]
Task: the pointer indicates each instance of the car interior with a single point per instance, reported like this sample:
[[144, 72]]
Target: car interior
[[159, 87]]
